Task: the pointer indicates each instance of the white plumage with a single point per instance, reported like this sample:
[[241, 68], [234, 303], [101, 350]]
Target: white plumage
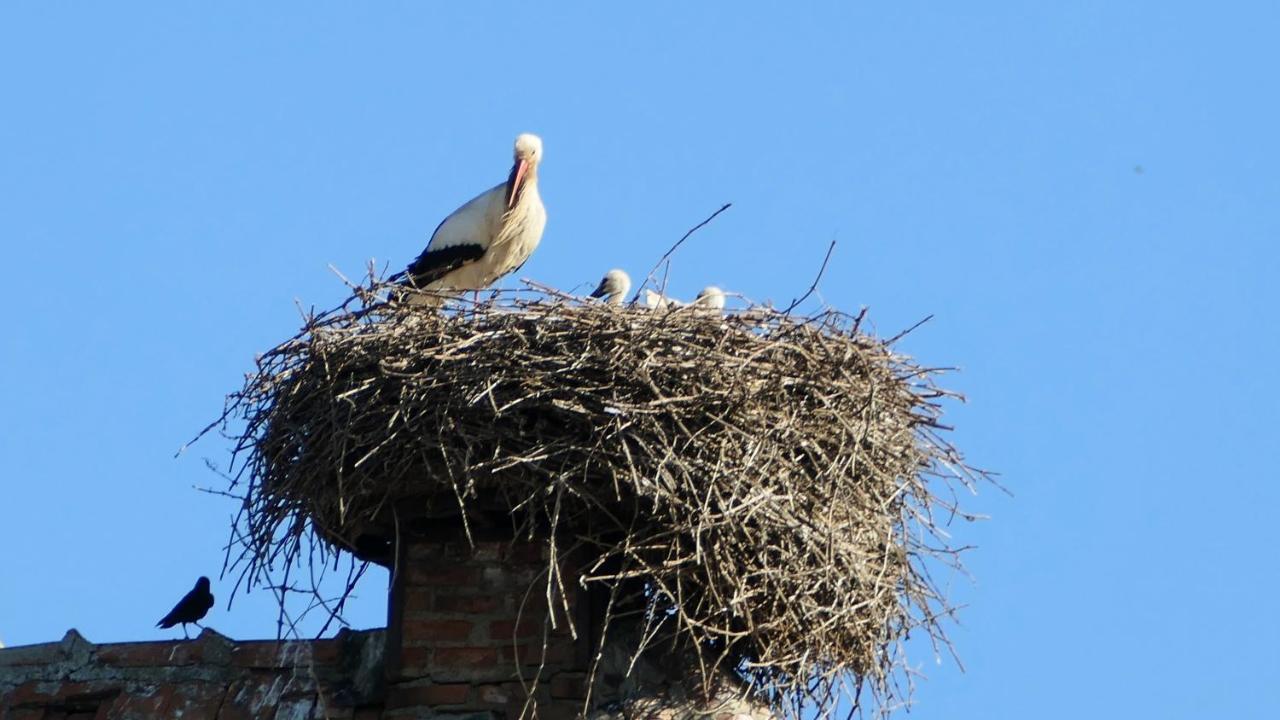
[[653, 299], [491, 235], [710, 297], [613, 287]]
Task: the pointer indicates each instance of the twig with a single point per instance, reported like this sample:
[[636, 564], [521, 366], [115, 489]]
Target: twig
[[795, 303], [672, 249], [908, 331]]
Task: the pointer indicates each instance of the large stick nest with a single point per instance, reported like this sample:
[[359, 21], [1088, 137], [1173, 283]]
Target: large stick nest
[[764, 484]]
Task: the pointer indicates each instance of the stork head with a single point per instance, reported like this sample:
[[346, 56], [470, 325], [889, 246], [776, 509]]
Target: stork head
[[613, 286], [528, 153], [710, 297], [202, 584], [528, 147]]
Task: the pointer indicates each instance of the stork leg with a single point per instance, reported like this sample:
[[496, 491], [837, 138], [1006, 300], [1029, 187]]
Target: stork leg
[[185, 636]]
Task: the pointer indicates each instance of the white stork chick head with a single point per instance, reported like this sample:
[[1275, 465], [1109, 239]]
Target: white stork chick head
[[524, 168], [710, 297], [613, 286]]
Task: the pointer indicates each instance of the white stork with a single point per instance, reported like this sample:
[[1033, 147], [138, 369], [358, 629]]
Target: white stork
[[653, 299], [710, 297], [490, 236], [613, 286]]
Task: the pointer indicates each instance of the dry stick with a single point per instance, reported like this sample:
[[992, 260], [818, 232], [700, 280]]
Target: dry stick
[[908, 331], [673, 248], [342, 602], [826, 258], [530, 700]]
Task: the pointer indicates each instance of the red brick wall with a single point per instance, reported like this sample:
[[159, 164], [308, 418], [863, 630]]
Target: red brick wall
[[471, 631]]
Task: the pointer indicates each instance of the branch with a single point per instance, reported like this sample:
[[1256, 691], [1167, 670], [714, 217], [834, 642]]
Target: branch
[[904, 333], [679, 242], [816, 280]]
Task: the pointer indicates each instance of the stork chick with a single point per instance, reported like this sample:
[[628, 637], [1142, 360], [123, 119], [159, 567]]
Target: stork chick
[[613, 286], [656, 300], [710, 297]]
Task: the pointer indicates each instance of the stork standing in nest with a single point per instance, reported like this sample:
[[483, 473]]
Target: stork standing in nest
[[490, 236]]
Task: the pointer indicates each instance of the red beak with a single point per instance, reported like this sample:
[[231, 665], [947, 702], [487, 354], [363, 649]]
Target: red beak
[[515, 181]]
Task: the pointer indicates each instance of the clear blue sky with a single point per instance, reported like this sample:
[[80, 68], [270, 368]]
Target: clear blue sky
[[1085, 194]]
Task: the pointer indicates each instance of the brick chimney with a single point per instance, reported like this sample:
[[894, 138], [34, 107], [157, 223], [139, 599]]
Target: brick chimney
[[470, 633], [469, 629]]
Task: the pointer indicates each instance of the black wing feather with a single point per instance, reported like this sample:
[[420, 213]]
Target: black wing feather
[[432, 265]]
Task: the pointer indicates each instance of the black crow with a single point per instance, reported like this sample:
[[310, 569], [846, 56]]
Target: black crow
[[190, 608]]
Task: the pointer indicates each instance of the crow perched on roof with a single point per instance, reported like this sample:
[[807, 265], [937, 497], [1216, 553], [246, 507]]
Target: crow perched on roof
[[190, 608]]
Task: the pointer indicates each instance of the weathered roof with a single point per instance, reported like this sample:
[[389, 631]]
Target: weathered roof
[[210, 677]]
